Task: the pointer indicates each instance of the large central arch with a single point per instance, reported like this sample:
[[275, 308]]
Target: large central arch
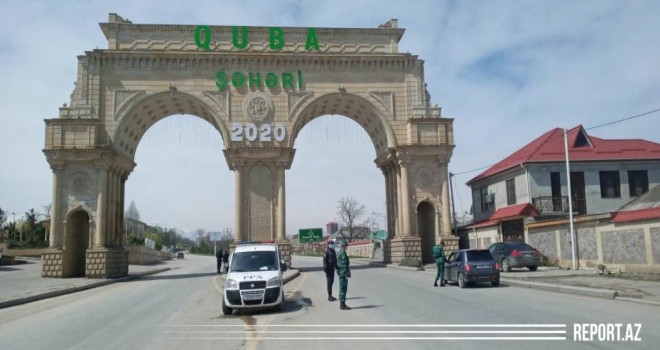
[[258, 91]]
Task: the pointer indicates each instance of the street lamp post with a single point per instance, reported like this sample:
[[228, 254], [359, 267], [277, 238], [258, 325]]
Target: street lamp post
[[14, 214]]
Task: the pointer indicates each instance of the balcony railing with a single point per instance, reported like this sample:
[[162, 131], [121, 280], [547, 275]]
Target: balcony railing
[[558, 205]]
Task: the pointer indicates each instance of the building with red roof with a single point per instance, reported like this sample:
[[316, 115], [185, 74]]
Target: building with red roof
[[605, 175]]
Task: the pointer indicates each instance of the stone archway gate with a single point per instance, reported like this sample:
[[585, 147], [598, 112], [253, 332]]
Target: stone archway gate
[[258, 87]]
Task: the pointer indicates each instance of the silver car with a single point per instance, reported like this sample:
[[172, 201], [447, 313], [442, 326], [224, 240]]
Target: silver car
[[515, 254]]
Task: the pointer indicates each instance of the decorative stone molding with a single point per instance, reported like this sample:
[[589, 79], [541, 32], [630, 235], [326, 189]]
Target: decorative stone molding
[[222, 99], [296, 99], [385, 100]]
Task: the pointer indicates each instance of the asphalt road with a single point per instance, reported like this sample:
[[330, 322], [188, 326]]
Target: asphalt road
[[392, 309]]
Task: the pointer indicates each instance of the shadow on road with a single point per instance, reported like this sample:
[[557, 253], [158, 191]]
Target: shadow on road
[[353, 267], [477, 286], [365, 307], [177, 277]]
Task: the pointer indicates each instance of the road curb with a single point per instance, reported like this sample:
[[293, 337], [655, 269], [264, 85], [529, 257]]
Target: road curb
[[57, 293], [585, 291], [291, 278], [639, 301]]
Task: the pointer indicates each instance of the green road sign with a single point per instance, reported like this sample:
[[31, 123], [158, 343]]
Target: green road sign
[[309, 235]]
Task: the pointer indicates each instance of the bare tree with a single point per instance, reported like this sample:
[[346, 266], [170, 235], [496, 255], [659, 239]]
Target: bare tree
[[350, 214], [3, 217], [132, 212]]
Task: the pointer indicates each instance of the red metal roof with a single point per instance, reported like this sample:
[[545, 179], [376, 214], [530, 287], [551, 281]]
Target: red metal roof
[[484, 223], [525, 209], [549, 147], [636, 215], [510, 212]]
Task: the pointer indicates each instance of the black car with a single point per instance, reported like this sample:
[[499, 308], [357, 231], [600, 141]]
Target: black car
[[515, 254], [472, 265]]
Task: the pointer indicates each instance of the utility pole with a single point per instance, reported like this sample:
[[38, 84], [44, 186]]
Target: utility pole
[[453, 209], [570, 201]]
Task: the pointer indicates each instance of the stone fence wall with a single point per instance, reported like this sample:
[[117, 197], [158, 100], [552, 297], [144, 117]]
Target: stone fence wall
[[139, 255], [361, 249], [631, 247]]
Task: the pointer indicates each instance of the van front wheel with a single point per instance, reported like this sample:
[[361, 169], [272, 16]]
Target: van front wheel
[[280, 306], [226, 309]]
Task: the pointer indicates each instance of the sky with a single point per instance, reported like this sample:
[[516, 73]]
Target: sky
[[506, 71]]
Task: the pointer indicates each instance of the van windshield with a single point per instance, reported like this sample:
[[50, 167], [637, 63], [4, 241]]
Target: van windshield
[[254, 261]]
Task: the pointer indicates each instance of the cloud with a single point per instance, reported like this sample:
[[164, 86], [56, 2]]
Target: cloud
[[506, 71]]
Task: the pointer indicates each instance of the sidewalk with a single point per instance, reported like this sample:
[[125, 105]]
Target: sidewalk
[[22, 283], [581, 282]]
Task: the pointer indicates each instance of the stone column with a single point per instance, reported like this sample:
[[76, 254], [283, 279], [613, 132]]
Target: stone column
[[405, 199], [122, 189], [55, 235], [399, 206], [116, 205], [446, 212], [101, 206], [238, 198], [110, 223], [281, 204], [388, 198]]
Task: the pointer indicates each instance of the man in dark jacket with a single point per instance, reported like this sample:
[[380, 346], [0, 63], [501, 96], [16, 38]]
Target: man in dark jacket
[[218, 259], [329, 265], [225, 260]]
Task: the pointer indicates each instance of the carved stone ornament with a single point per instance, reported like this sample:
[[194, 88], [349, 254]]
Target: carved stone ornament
[[424, 176], [80, 184], [258, 107]]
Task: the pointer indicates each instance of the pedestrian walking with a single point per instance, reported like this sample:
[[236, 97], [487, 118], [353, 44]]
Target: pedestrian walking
[[218, 259], [344, 272], [225, 260], [439, 255], [329, 266]]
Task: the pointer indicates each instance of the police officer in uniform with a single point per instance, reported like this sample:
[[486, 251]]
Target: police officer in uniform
[[329, 266], [439, 255], [344, 272]]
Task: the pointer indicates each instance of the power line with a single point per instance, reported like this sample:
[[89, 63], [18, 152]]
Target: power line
[[624, 119], [589, 128]]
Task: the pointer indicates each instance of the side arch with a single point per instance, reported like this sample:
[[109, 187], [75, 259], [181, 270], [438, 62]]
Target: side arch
[[426, 228], [76, 240]]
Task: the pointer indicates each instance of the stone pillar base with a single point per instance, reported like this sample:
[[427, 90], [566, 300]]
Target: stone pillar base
[[406, 251], [285, 252], [387, 251], [451, 243], [51, 264], [106, 263]]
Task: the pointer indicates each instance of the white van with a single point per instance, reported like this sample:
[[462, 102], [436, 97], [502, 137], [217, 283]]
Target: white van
[[254, 279]]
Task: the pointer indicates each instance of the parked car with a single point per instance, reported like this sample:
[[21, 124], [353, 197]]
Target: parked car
[[472, 265], [254, 279], [515, 254]]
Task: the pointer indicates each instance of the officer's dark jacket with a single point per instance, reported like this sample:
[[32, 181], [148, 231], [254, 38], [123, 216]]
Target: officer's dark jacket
[[329, 260]]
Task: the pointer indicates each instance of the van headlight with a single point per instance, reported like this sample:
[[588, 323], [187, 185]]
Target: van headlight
[[274, 282], [231, 284]]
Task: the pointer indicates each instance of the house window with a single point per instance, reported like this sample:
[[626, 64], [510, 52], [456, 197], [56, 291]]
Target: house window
[[511, 191], [638, 181], [610, 184], [484, 199]]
